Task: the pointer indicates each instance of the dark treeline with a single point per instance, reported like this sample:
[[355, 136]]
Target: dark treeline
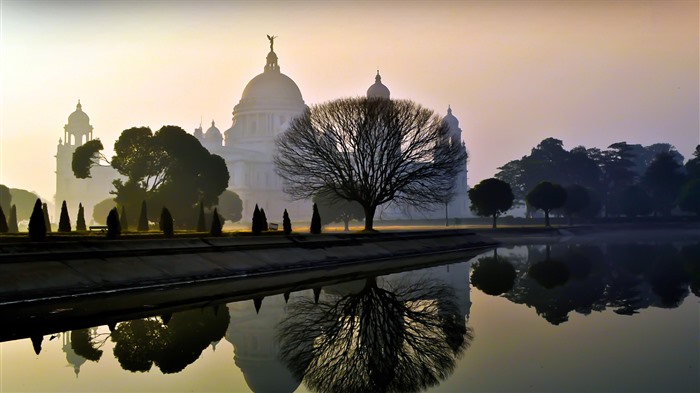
[[623, 180], [623, 277]]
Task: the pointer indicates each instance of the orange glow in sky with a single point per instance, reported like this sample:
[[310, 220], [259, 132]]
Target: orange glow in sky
[[587, 72]]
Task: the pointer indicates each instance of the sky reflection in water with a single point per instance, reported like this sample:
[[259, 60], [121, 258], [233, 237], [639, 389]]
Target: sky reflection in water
[[615, 317]]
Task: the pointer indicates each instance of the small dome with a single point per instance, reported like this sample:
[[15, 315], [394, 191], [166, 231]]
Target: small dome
[[451, 120], [78, 117], [213, 135], [378, 90]]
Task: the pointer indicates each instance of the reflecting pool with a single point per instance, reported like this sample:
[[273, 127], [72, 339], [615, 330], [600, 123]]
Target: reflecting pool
[[565, 317]]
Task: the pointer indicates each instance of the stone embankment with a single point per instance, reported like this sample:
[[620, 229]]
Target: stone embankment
[[44, 271]]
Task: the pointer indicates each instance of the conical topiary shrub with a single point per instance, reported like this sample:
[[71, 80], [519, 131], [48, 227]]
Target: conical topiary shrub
[[215, 224], [143, 218], [47, 222], [114, 228], [263, 220], [315, 227], [3, 222], [166, 223], [80, 222], [37, 223], [257, 225], [286, 223], [12, 223], [64, 220], [201, 222], [123, 221]]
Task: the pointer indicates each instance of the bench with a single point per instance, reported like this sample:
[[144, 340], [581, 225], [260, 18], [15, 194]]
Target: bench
[[272, 226], [101, 228]]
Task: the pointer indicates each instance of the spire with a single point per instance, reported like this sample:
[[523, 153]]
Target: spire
[[79, 107], [271, 64], [449, 109], [378, 78]]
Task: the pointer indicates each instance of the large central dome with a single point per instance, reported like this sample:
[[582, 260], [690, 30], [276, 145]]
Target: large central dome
[[271, 86]]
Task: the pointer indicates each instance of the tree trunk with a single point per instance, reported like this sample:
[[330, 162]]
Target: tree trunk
[[546, 217], [347, 224], [494, 221], [369, 217]]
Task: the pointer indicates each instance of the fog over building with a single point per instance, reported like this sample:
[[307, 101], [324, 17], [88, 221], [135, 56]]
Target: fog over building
[[74, 191], [268, 104]]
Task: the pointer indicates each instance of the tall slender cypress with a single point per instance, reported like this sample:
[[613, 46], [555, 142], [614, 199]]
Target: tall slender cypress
[[12, 224], [3, 222], [143, 218], [47, 222], [257, 225], [315, 222], [215, 224], [123, 221], [201, 223], [80, 222], [64, 220], [37, 223], [286, 223], [263, 220]]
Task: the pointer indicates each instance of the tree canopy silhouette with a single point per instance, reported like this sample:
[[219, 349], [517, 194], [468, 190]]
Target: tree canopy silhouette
[[491, 198], [168, 168], [372, 151], [493, 275], [664, 178], [333, 209], [37, 224], [64, 220], [402, 338], [547, 196]]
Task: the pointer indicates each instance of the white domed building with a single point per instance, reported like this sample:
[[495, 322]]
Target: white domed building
[[268, 103], [458, 207], [74, 191]]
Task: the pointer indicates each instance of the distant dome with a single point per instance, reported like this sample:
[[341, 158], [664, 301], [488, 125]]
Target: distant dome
[[78, 117], [451, 120], [212, 132], [378, 90]]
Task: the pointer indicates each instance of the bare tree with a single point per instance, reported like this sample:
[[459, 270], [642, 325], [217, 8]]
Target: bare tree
[[372, 151]]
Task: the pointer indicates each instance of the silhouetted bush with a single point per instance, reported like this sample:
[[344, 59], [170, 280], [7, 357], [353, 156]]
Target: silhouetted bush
[[143, 218], [37, 223], [64, 220], [166, 223], [315, 222], [47, 222], [257, 224], [3, 222], [114, 228], [123, 220], [286, 223], [201, 224], [80, 223], [215, 224], [12, 223]]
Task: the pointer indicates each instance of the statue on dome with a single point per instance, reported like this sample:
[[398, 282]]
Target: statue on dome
[[272, 41]]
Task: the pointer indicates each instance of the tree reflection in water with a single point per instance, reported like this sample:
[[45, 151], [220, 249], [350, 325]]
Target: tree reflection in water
[[626, 277], [402, 338], [493, 275], [173, 346]]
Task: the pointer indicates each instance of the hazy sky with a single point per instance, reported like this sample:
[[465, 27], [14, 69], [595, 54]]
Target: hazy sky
[[589, 73]]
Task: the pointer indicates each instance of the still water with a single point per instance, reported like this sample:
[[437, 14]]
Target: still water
[[618, 317]]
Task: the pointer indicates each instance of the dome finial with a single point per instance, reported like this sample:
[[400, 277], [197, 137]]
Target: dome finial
[[212, 122], [79, 106], [378, 78], [449, 109], [271, 64]]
